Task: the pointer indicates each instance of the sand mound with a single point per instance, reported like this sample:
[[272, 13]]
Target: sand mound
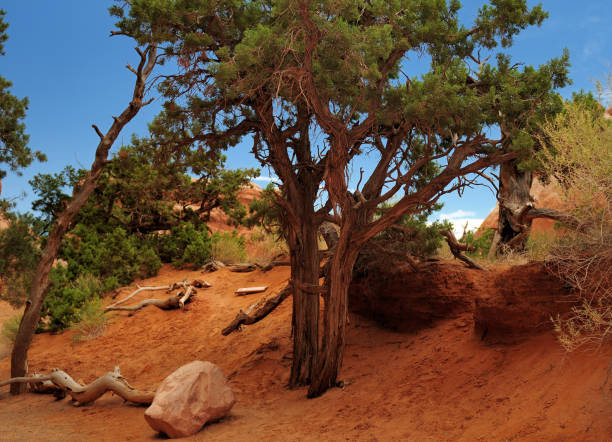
[[436, 383]]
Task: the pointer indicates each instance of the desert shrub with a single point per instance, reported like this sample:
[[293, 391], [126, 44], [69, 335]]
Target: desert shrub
[[264, 246], [481, 243], [19, 254], [185, 244], [578, 152], [229, 247], [539, 245], [66, 299], [91, 322], [112, 255], [10, 327]]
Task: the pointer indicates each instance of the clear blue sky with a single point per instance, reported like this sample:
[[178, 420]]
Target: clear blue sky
[[60, 55]]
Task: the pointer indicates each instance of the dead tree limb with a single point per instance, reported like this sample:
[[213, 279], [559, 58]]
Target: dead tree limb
[[111, 381], [457, 248], [135, 292], [246, 318], [40, 282], [173, 302]]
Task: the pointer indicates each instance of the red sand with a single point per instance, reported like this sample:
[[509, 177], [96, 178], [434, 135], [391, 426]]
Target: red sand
[[440, 383]]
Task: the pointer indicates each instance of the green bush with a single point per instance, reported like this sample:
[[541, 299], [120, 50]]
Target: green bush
[[185, 244], [19, 254], [114, 254], [91, 321], [481, 244], [10, 327], [229, 248], [66, 299]]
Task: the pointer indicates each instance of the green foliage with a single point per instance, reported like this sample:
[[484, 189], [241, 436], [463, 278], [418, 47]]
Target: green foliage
[[481, 244], [66, 299], [113, 254], [185, 244], [228, 247], [14, 150], [19, 254], [91, 322], [10, 328]]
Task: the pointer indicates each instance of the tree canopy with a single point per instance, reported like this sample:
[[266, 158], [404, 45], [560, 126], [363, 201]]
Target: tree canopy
[[322, 88]]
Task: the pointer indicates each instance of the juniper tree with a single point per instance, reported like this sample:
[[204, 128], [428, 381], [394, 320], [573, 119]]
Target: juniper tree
[[320, 86]]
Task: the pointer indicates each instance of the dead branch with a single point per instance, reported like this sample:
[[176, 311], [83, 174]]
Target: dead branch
[[111, 381], [173, 302], [213, 266], [135, 292], [457, 248], [269, 304]]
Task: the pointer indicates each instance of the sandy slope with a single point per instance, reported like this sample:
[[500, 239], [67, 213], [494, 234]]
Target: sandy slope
[[439, 383]]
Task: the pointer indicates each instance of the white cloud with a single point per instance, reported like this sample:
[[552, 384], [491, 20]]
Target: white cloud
[[267, 179], [457, 214], [459, 219]]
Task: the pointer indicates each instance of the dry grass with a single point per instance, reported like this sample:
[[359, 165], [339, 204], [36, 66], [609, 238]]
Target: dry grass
[[263, 247]]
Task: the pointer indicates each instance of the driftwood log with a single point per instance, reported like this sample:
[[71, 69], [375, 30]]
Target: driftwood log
[[62, 382], [213, 266], [457, 249], [173, 302], [262, 308]]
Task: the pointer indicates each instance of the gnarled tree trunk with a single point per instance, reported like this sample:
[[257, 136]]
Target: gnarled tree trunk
[[40, 282], [514, 200], [304, 257]]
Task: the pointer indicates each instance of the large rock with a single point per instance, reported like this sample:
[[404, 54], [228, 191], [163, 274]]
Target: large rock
[[190, 397]]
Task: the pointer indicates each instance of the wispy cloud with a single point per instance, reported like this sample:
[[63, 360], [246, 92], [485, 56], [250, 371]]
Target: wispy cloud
[[457, 214], [267, 179]]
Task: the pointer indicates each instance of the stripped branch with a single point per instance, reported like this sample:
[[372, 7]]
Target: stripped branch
[[135, 292], [111, 381], [457, 249]]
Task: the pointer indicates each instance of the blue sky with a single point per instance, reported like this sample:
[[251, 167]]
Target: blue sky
[[60, 55]]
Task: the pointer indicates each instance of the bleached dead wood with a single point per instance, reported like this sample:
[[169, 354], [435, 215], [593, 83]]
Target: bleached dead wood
[[138, 290], [111, 381], [213, 266], [173, 302], [250, 290], [261, 311]]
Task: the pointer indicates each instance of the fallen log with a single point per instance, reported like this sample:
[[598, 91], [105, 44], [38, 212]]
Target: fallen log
[[111, 381], [138, 290], [261, 311], [457, 248], [173, 302]]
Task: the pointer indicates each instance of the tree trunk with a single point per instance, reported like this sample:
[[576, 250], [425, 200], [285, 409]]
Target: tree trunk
[[305, 280], [514, 199], [40, 282], [336, 316]]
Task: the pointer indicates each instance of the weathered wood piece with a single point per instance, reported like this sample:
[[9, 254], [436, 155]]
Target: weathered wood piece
[[262, 307], [457, 248], [135, 292], [250, 290], [111, 381]]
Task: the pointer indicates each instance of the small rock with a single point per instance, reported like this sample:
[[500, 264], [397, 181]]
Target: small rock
[[190, 397]]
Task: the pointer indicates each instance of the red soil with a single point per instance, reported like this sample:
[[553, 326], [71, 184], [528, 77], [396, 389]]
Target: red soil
[[437, 383]]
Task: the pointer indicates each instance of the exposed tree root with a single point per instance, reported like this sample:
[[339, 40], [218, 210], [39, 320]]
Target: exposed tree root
[[60, 381], [262, 308], [457, 248]]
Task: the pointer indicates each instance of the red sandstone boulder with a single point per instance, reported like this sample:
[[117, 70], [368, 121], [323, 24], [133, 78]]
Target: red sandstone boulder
[[195, 394]]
